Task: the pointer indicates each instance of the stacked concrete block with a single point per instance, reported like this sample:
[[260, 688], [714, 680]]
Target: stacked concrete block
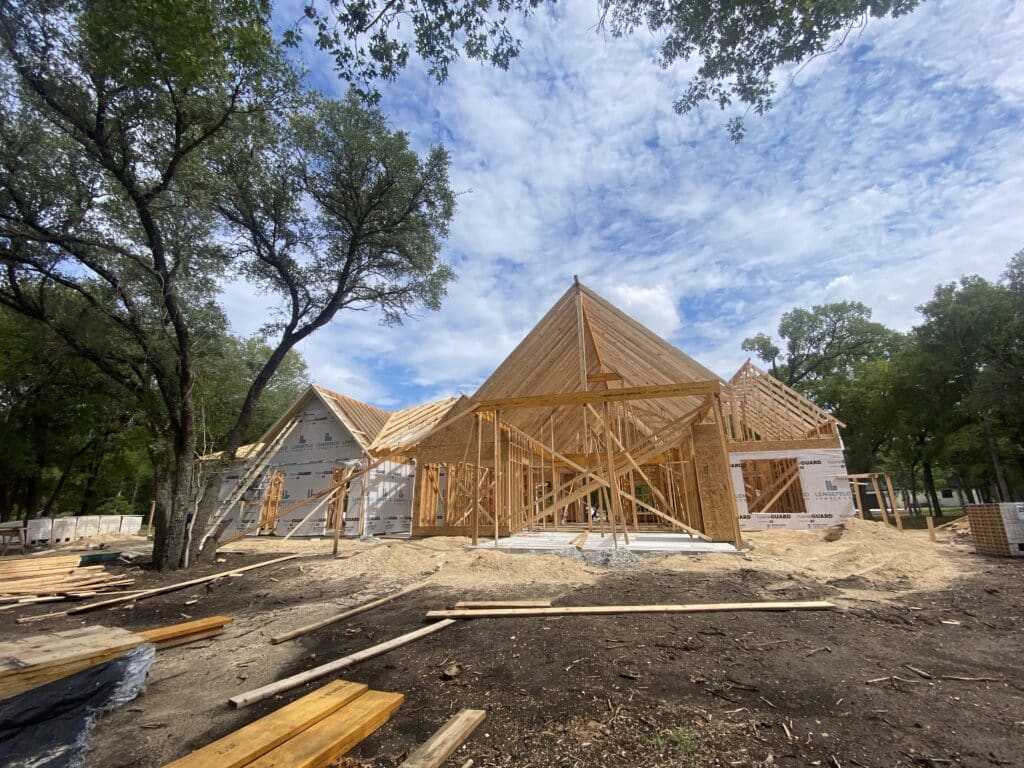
[[998, 529]]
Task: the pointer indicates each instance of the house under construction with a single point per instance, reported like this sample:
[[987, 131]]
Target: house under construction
[[593, 422]]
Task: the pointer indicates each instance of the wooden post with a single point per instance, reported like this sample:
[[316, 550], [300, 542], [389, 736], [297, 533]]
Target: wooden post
[[892, 500], [497, 474], [476, 481], [554, 485], [878, 495], [365, 480], [930, 521], [613, 491], [856, 496], [149, 522]]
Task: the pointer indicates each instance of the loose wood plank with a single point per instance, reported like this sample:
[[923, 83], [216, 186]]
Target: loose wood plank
[[266, 691], [177, 631], [439, 747], [241, 747], [478, 604], [605, 610], [330, 738], [343, 615]]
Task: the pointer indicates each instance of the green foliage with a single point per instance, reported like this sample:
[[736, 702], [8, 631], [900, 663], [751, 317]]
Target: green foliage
[[942, 404], [821, 346], [740, 45], [682, 740]]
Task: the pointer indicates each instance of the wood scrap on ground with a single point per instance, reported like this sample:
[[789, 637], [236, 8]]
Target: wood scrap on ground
[[604, 610], [439, 747], [343, 615], [312, 731], [272, 689]]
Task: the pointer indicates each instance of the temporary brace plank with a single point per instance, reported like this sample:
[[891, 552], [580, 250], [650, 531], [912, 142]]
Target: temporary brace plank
[[607, 610], [241, 747], [266, 691], [327, 740], [439, 747], [343, 615], [654, 392]]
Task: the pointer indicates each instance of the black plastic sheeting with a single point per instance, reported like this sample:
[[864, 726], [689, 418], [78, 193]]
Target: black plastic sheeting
[[49, 726]]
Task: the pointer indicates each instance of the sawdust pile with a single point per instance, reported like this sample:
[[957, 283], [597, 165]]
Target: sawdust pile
[[867, 550]]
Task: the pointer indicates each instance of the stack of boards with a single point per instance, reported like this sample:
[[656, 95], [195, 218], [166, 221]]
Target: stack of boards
[[311, 732], [34, 661], [27, 580]]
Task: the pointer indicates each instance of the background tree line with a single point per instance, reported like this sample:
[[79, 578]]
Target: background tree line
[[72, 444], [941, 406]]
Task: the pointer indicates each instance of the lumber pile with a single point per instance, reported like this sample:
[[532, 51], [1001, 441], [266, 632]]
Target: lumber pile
[[312, 731], [147, 593], [28, 580], [40, 659]]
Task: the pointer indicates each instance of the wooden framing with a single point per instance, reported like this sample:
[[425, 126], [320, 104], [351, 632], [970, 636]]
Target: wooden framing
[[885, 505], [596, 425]]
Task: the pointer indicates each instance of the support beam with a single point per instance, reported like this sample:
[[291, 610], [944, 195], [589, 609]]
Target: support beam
[[653, 392]]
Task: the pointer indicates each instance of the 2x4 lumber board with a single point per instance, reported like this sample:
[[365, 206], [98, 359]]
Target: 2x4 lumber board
[[241, 747], [175, 642], [266, 691], [439, 747], [175, 631], [328, 739], [478, 604], [305, 630], [169, 588], [653, 392], [610, 610]]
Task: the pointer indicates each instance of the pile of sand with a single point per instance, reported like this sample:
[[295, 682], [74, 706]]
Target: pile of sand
[[866, 554], [876, 553], [446, 561]]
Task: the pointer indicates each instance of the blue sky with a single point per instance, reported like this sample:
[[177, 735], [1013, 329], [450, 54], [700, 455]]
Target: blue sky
[[884, 169]]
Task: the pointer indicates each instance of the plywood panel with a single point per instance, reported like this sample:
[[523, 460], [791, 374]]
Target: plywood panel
[[714, 484]]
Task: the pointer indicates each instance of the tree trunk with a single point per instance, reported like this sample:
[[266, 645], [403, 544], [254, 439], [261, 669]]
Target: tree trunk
[[929, 487], [174, 494], [1002, 490], [88, 505]]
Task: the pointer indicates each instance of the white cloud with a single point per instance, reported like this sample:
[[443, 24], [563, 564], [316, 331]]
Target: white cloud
[[884, 169]]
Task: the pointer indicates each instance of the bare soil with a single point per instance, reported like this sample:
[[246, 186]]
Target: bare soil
[[922, 665]]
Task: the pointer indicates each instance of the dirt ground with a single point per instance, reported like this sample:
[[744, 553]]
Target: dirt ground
[[921, 665]]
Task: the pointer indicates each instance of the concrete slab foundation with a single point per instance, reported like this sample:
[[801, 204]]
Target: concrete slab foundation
[[555, 541]]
